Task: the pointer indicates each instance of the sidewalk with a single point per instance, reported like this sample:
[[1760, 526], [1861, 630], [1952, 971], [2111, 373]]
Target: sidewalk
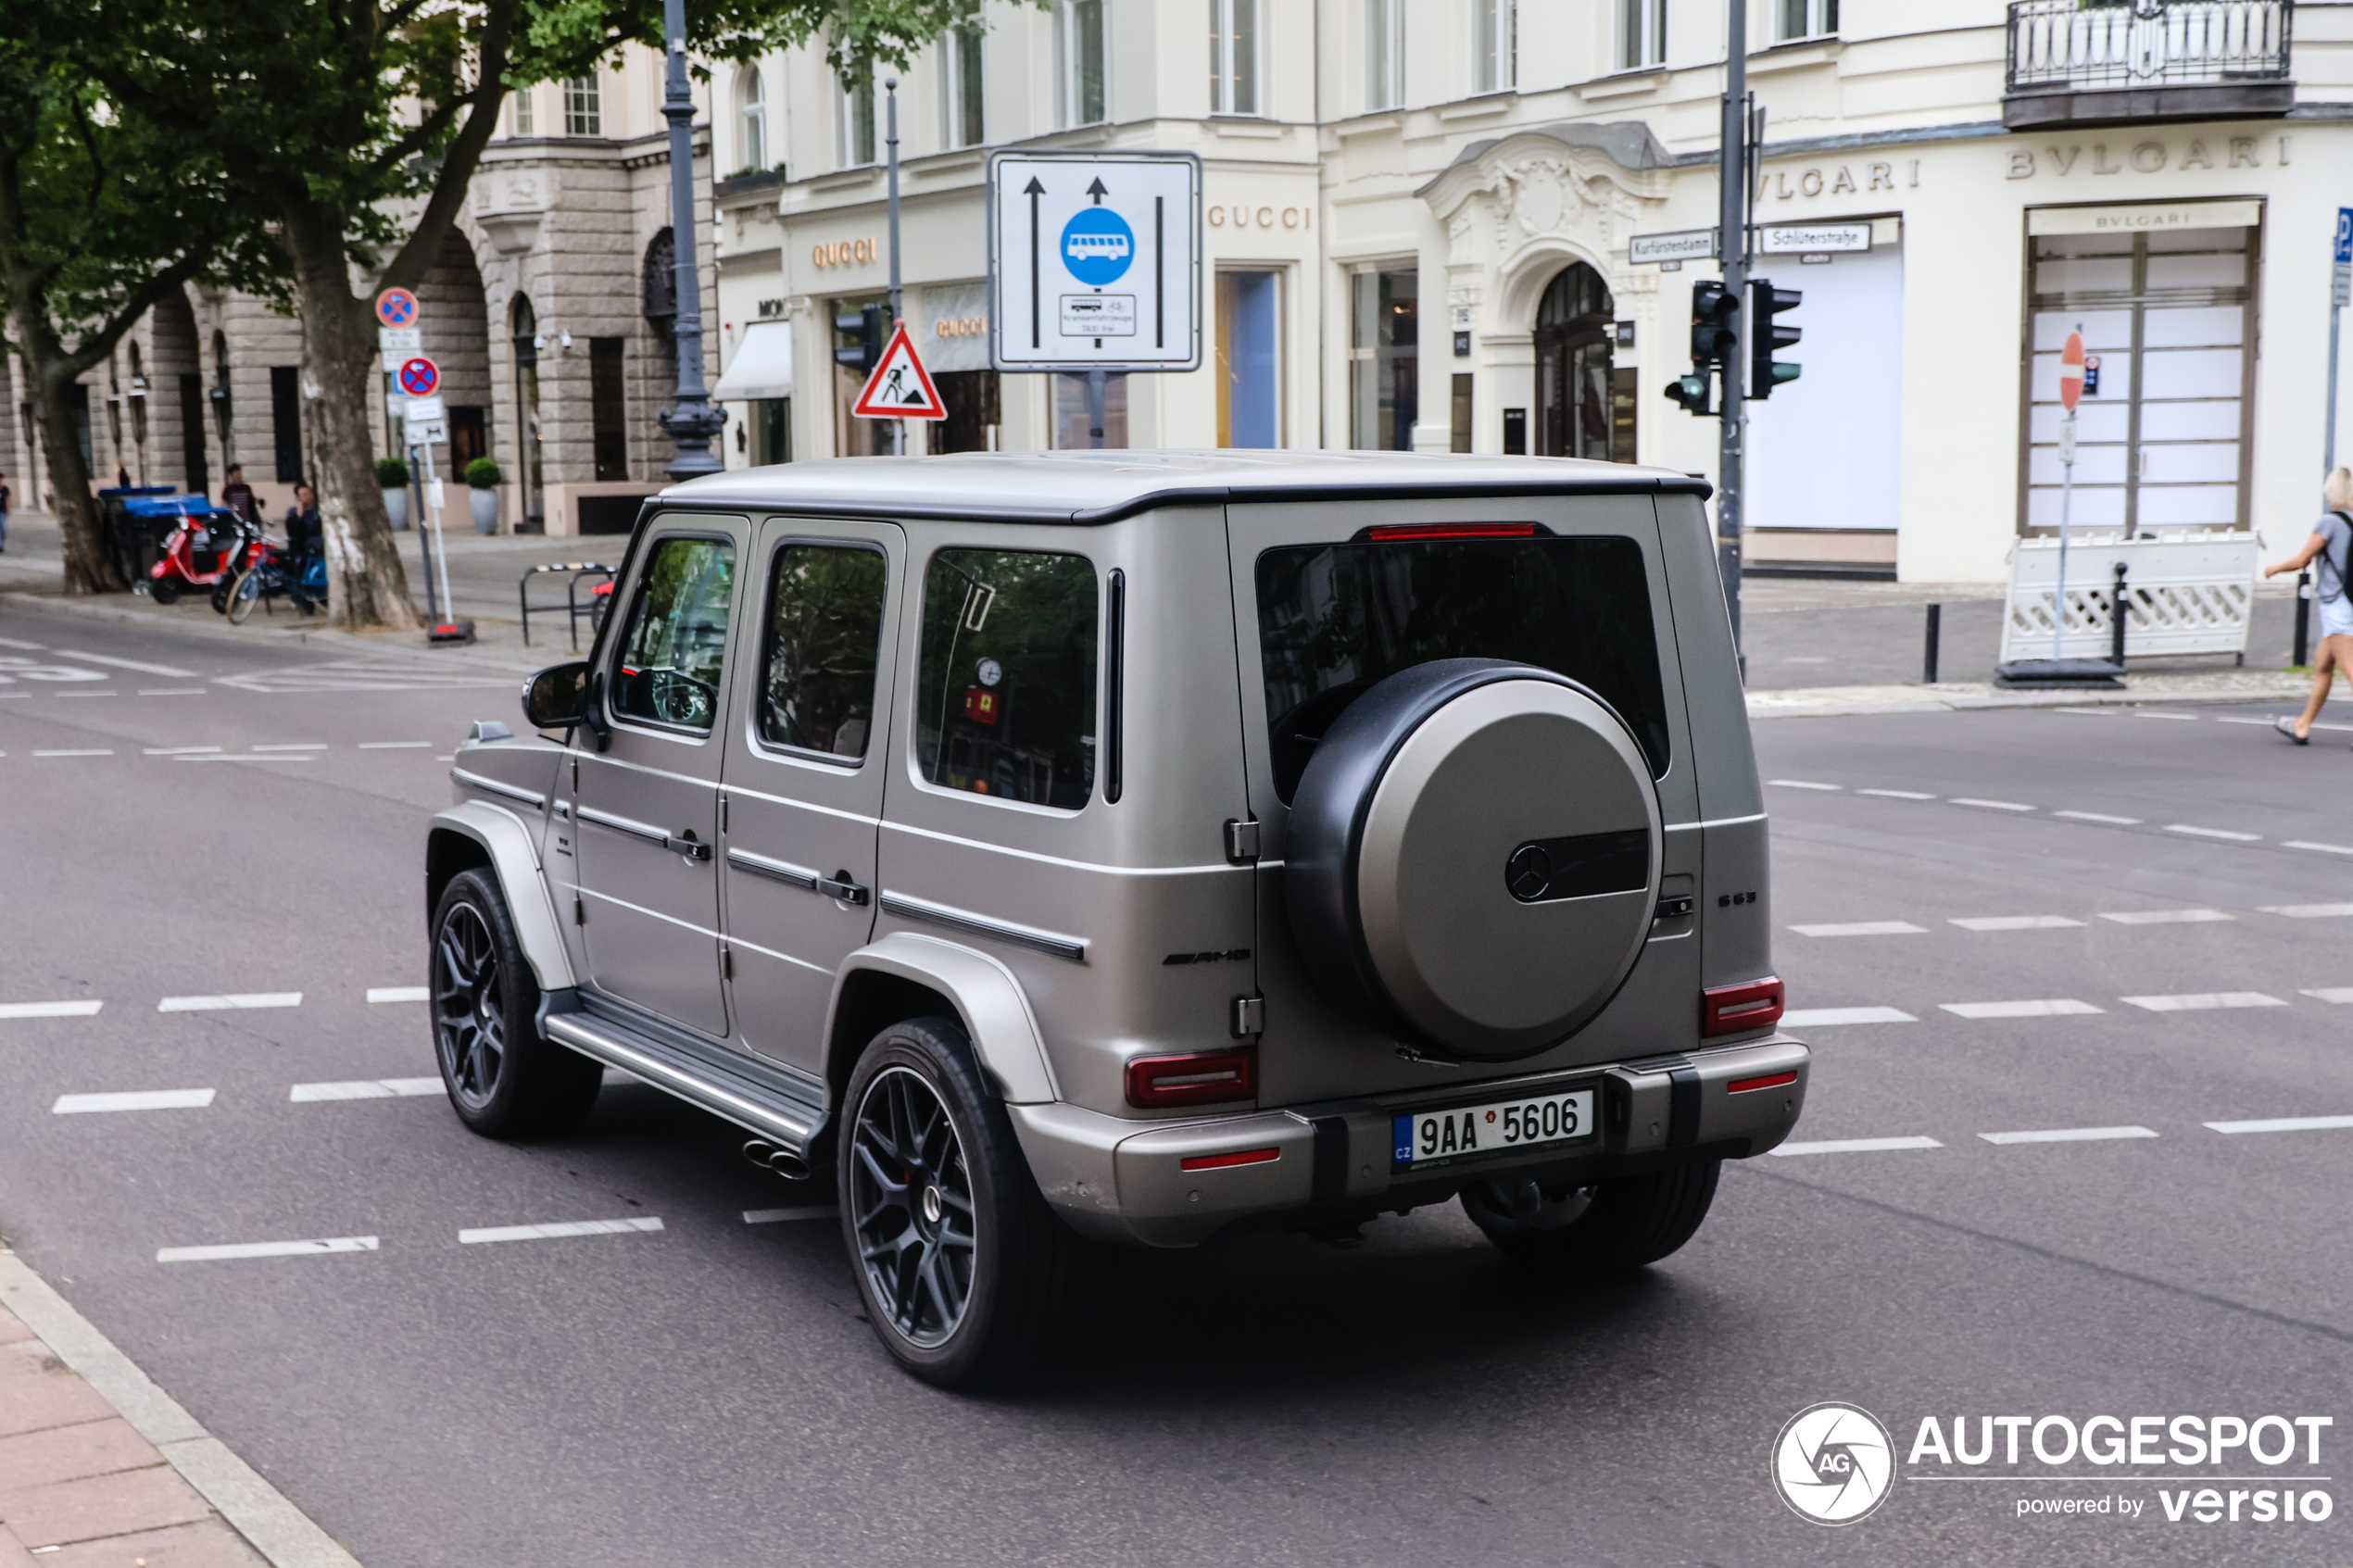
[[99, 1468]]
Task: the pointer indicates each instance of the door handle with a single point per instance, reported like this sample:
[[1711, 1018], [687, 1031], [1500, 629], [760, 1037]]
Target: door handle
[[839, 885], [686, 843]]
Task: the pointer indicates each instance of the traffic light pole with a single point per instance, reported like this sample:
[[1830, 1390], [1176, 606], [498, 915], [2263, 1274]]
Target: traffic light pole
[[1732, 246]]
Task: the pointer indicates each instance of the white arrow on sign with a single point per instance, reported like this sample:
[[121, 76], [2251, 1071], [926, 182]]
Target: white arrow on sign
[[1094, 261]]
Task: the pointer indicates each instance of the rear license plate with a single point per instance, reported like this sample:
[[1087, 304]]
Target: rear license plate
[[1432, 1138]]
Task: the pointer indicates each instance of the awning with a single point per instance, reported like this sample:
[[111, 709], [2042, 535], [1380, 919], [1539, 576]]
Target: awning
[[763, 365]]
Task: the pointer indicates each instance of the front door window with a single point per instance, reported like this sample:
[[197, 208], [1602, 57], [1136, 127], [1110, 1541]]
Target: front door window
[[671, 653]]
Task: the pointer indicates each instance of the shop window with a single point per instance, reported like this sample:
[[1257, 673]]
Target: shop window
[[1005, 700], [1495, 45], [1079, 97], [469, 436], [583, 106], [1384, 364], [970, 397], [824, 639], [1384, 54], [963, 121], [1805, 19], [1235, 52], [771, 430], [286, 421], [1071, 431], [1249, 379], [1641, 33], [854, 120], [752, 121], [1459, 423], [609, 407]]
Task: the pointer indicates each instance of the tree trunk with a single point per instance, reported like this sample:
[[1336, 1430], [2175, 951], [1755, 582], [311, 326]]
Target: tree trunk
[[367, 587], [90, 566]]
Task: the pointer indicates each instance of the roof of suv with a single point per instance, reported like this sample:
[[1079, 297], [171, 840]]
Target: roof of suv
[[1087, 487]]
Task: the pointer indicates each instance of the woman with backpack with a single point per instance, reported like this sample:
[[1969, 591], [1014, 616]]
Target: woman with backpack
[[2332, 546]]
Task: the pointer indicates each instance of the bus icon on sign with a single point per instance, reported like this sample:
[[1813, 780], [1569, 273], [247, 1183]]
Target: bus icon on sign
[[1098, 245]]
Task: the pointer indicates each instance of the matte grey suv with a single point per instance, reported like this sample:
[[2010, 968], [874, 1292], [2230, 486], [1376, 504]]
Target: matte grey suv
[[1143, 847]]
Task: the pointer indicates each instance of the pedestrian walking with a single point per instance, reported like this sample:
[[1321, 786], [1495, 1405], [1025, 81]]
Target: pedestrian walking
[[2331, 547], [237, 494]]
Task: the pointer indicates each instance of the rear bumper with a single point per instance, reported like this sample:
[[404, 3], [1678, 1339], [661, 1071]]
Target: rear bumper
[[1119, 1180]]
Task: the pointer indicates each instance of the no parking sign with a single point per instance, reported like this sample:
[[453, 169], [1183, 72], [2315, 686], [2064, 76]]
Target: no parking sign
[[397, 307], [419, 377]]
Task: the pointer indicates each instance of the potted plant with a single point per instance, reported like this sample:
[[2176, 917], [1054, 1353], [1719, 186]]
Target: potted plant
[[484, 477], [392, 478]]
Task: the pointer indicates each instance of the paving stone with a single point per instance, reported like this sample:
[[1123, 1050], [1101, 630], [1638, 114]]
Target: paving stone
[[208, 1543], [12, 1551], [12, 1328], [36, 1391], [101, 1505], [69, 1453]]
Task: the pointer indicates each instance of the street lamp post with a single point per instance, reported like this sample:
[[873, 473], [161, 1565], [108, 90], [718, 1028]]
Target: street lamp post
[[694, 423]]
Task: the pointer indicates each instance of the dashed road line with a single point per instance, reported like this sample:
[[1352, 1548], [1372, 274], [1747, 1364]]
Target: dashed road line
[[2203, 1001], [393, 745], [172, 691], [135, 1099], [2224, 833], [2015, 922], [266, 1249], [231, 1002], [108, 692], [2165, 917], [562, 1228], [20, 643], [1855, 1146], [2285, 1124], [181, 750], [2069, 1134], [297, 746], [1992, 805], [113, 662], [772, 1216], [80, 752], [2100, 817], [49, 1009], [2309, 911], [1898, 793], [2330, 993], [1817, 1018], [249, 756], [364, 1089], [1864, 928], [399, 993], [2159, 713], [1801, 784], [2054, 1007], [2323, 848]]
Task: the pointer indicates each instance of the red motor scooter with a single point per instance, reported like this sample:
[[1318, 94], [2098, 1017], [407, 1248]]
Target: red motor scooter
[[203, 552]]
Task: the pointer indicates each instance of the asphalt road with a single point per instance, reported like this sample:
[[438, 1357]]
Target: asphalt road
[[705, 1393]]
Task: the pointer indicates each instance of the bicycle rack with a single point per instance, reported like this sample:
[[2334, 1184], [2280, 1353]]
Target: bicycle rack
[[573, 610]]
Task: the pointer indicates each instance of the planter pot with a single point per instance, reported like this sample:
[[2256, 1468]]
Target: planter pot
[[485, 506], [396, 507]]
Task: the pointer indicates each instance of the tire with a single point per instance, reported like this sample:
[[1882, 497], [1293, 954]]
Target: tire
[[164, 590], [1595, 1233], [221, 593], [924, 1141], [244, 593], [504, 1080]]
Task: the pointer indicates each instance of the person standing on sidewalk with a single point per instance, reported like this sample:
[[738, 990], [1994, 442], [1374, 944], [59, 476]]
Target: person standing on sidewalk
[[237, 494], [3, 514], [2331, 545]]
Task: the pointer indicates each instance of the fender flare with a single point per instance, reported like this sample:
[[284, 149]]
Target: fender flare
[[514, 860], [987, 998]]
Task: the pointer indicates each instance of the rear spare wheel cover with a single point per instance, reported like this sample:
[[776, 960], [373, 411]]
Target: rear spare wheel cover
[[1502, 858]]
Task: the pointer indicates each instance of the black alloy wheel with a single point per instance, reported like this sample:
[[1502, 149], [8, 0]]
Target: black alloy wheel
[[470, 1024], [912, 1206], [505, 1079]]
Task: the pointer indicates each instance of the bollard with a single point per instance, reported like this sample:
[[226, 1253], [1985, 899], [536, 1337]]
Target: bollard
[[2117, 611], [1928, 658], [2303, 619]]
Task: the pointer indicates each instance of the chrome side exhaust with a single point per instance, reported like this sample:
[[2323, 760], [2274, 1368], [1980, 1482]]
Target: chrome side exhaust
[[778, 1159]]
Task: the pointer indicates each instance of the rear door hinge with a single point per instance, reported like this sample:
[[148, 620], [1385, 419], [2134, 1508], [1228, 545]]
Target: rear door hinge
[[1241, 841], [727, 963], [579, 911], [1249, 1017]]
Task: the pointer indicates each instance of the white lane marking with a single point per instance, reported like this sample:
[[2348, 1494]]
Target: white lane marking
[[2224, 833], [1799, 784], [298, 745], [2204, 1001], [1855, 1146], [266, 1249], [2069, 1134], [771, 1216], [2330, 993], [181, 750], [135, 1099], [1817, 1018], [1898, 793], [18, 642], [567, 1227], [2323, 848], [393, 745], [2015, 922], [2099, 817], [398, 993], [83, 753], [1992, 805], [171, 691], [2055, 1007], [108, 693], [1806, 658], [452, 757], [245, 757], [1864, 928], [365, 1089], [2089, 712], [2185, 718], [231, 1001], [127, 663], [2309, 911], [2285, 1124], [48, 1010], [2167, 917]]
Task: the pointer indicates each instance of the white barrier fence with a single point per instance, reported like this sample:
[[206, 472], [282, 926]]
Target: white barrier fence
[[2186, 590]]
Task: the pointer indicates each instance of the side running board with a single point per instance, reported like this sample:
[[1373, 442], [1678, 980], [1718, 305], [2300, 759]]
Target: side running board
[[760, 1104]]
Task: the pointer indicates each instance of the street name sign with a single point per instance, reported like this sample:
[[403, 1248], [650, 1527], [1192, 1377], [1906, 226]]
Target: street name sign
[[1094, 261], [1798, 238], [901, 388], [1684, 244]]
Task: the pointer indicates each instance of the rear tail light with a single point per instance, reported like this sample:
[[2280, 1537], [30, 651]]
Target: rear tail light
[[1409, 532], [1222, 1161], [1770, 1081], [1734, 1010], [1159, 1082]]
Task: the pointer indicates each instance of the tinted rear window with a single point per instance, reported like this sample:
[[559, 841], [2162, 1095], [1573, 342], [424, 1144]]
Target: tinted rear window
[[1334, 620]]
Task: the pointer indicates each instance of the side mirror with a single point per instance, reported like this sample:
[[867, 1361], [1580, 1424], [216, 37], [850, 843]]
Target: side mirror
[[557, 698]]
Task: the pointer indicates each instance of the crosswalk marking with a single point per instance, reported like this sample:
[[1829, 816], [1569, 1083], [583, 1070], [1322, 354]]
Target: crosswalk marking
[[49, 1009], [2015, 922], [2165, 917], [135, 1099], [562, 1228], [2068, 1135], [1817, 1018], [1856, 1146], [365, 1089], [2204, 1001], [2055, 1007], [1864, 928], [266, 1249], [231, 1001], [127, 664], [2285, 1124]]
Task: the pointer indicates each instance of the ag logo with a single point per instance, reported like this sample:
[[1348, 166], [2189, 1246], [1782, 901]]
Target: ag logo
[[1833, 1463]]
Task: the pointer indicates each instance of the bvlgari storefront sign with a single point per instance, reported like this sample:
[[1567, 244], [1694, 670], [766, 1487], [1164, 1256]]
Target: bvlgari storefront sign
[[2143, 218]]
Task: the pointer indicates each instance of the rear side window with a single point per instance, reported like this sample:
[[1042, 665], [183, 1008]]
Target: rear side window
[[1334, 620], [824, 635], [1005, 704], [676, 640]]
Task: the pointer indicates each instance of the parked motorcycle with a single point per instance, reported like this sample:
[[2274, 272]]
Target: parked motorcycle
[[274, 574], [205, 550]]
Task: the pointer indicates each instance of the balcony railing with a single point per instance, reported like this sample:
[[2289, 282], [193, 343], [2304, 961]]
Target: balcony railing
[[2079, 45]]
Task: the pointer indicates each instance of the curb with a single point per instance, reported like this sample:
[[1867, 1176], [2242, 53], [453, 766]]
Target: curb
[[1829, 702], [255, 1508], [321, 639]]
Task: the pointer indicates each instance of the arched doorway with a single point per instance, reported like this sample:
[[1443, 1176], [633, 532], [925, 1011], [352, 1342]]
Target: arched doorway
[[531, 476], [1578, 411]]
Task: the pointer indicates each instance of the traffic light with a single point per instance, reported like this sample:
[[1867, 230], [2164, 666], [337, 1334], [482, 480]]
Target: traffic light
[[859, 339], [1691, 393], [1714, 336], [1766, 339]]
